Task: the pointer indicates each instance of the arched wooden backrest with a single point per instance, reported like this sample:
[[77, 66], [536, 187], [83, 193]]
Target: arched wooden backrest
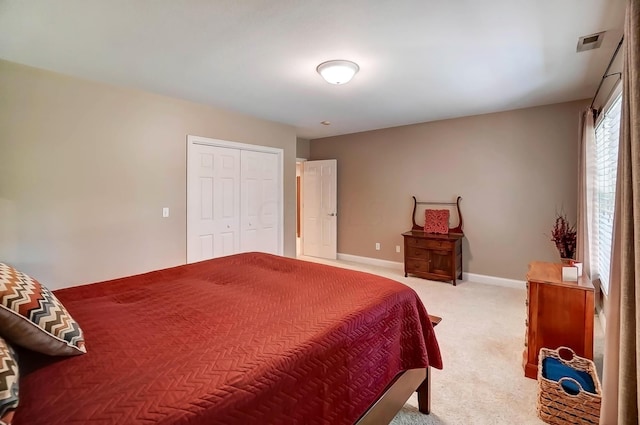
[[457, 229]]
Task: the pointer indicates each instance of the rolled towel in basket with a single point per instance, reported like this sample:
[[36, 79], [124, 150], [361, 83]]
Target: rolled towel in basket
[[554, 370]]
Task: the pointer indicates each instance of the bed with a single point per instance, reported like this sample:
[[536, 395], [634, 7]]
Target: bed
[[249, 338]]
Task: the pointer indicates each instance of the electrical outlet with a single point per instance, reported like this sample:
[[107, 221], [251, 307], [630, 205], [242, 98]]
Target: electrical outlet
[[377, 246], [397, 248], [165, 212]]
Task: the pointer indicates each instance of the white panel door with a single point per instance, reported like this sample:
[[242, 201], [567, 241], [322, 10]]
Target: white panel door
[[320, 213], [213, 202], [259, 206]]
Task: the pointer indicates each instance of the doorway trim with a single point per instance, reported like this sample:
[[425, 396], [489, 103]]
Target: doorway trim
[[299, 206]]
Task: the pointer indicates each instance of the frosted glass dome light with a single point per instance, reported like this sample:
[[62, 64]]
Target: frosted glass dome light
[[338, 71]]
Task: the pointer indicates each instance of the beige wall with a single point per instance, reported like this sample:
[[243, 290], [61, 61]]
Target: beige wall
[[513, 169], [86, 169], [303, 148]]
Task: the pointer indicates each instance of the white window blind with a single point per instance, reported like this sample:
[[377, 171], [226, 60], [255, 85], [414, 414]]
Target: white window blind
[[606, 165]]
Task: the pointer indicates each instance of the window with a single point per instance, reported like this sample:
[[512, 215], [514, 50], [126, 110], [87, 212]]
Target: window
[[604, 186]]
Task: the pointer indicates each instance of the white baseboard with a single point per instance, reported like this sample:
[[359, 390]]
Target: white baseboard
[[371, 261], [472, 277], [493, 280]]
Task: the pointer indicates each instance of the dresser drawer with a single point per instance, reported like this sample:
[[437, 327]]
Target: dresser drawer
[[415, 265], [443, 245], [416, 242], [429, 244], [419, 253]]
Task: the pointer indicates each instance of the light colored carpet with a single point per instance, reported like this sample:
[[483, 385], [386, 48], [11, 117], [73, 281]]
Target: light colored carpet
[[481, 338]]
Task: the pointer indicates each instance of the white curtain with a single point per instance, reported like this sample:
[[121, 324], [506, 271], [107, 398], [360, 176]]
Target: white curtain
[[586, 171]]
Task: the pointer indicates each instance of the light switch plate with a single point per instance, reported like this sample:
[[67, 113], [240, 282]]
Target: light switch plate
[[165, 212]]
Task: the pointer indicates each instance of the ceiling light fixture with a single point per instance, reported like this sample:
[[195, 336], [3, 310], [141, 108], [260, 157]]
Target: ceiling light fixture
[[338, 71]]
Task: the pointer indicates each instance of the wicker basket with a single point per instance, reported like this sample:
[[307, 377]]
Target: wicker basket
[[555, 405]]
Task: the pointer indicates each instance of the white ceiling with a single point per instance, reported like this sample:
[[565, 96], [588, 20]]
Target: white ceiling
[[420, 60]]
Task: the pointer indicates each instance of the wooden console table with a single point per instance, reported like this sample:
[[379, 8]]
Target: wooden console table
[[559, 313]]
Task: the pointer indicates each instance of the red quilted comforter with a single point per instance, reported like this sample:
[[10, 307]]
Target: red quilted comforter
[[250, 338]]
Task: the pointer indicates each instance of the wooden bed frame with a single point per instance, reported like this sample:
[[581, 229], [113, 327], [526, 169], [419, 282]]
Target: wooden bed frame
[[398, 392], [396, 395]]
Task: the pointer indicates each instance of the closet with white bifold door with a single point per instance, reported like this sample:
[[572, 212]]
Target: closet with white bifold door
[[234, 198]]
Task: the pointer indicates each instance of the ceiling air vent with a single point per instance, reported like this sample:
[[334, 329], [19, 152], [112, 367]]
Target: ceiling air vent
[[590, 42]]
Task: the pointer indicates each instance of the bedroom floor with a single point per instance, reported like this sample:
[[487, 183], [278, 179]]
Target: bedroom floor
[[481, 339]]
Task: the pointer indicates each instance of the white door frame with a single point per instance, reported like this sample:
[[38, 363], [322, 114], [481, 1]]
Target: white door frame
[[299, 204], [199, 140]]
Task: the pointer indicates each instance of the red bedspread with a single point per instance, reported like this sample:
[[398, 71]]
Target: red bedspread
[[250, 338]]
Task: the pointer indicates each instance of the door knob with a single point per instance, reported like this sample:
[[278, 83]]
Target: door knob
[[332, 215]]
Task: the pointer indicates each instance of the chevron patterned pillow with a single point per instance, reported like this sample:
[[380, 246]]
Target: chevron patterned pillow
[[8, 383], [31, 316]]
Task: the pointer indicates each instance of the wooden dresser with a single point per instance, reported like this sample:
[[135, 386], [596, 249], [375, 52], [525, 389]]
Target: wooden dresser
[[433, 256], [559, 313]]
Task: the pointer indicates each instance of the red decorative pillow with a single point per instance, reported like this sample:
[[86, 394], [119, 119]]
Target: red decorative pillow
[[436, 221]]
